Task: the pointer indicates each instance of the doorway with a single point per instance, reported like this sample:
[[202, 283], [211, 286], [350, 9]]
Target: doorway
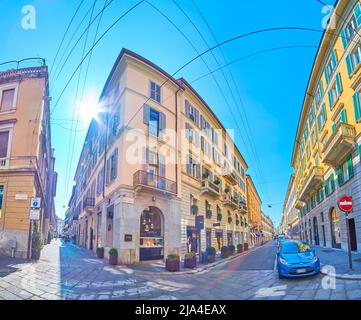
[[352, 233], [335, 228], [315, 232], [219, 240]]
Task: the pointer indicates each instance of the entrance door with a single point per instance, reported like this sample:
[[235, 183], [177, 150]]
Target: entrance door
[[192, 239], [229, 238], [324, 236], [352, 232], [91, 239], [335, 228], [315, 232], [208, 238], [151, 235], [219, 240]]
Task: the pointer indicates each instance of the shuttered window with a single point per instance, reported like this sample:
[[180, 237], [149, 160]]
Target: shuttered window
[[155, 92], [357, 106], [7, 100]]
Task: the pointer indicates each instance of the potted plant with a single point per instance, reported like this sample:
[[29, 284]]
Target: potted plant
[[100, 252], [226, 190], [219, 217], [211, 254], [205, 175], [231, 249], [239, 248], [194, 209], [217, 181], [172, 262], [209, 213], [245, 246], [190, 260], [113, 256], [36, 243], [224, 252]]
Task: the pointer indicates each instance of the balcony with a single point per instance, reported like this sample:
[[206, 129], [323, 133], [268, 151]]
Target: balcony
[[230, 177], [210, 188], [89, 204], [242, 206], [143, 180], [313, 182], [339, 145], [299, 204], [230, 201]]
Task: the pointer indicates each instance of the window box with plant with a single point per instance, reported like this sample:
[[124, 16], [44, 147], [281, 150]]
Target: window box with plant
[[239, 248], [113, 256], [190, 260], [211, 254], [219, 217], [100, 252], [172, 263], [226, 190], [209, 213], [37, 243], [224, 252]]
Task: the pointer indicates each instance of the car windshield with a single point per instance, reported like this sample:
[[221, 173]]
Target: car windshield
[[295, 247]]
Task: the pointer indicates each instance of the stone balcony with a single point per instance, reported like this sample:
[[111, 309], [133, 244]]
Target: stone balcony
[[229, 200], [312, 183], [299, 204], [230, 177], [339, 145], [210, 188]]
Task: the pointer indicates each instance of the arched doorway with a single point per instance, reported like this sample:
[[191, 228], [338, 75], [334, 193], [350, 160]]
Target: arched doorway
[[315, 232], [151, 235], [335, 228]]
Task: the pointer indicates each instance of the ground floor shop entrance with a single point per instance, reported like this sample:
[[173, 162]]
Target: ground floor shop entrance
[[219, 240], [151, 235]]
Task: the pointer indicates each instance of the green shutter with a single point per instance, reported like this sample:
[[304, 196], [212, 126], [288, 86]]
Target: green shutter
[[349, 65], [357, 12], [350, 166], [333, 57], [333, 127], [326, 76], [356, 105], [339, 176], [319, 123], [344, 39], [339, 83], [326, 187], [343, 116], [332, 178], [330, 99], [324, 112]]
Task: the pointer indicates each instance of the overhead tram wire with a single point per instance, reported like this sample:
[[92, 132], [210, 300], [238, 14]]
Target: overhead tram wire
[[65, 34], [245, 119], [206, 64], [72, 135], [95, 44], [77, 42], [253, 153], [84, 83]]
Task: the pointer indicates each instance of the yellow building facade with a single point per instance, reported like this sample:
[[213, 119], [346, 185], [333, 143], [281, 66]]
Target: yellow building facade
[[326, 155], [26, 157], [154, 161], [254, 212]]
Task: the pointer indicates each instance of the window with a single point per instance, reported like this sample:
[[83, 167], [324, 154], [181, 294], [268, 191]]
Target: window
[[357, 106], [112, 164], [341, 118], [349, 32], [353, 59], [4, 143], [1, 198], [206, 127], [216, 157], [321, 118], [215, 136], [193, 167], [100, 181], [206, 147], [192, 135], [7, 100], [335, 91], [305, 133], [192, 113], [319, 94], [329, 185], [330, 66], [226, 150], [154, 119], [154, 91], [345, 171], [311, 116]]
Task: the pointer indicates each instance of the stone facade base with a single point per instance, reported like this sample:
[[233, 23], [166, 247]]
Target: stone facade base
[[21, 238]]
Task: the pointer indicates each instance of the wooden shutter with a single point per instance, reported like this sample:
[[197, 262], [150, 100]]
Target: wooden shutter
[[343, 116], [357, 107], [339, 176], [349, 65], [344, 39], [350, 166], [339, 83], [162, 121], [187, 108], [146, 114]]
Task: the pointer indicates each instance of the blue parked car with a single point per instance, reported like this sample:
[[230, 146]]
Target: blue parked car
[[296, 259]]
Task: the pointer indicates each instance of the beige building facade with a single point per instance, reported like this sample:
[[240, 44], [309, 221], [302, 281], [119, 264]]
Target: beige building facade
[[155, 160], [26, 157]]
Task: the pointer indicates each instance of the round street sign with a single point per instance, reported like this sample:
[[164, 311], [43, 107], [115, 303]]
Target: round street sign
[[345, 204]]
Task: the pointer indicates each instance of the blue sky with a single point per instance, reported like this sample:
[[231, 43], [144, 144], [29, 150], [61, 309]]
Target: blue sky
[[271, 84]]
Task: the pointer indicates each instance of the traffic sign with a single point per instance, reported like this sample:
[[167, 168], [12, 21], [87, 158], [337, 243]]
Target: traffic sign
[[34, 214], [345, 204], [35, 203]]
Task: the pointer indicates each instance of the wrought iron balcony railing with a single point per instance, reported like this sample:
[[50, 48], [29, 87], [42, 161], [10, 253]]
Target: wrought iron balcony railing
[[150, 180]]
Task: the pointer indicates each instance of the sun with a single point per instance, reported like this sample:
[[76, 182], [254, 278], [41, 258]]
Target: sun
[[88, 108]]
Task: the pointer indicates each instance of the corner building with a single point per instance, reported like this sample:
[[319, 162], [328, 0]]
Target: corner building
[[154, 159]]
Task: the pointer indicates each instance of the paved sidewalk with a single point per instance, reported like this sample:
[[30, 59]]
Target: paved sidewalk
[[9, 265], [338, 259]]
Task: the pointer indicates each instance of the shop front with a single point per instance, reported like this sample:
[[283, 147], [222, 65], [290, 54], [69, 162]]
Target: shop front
[[219, 239], [192, 239], [151, 235]]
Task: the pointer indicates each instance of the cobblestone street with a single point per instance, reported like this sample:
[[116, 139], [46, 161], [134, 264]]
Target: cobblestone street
[[70, 272]]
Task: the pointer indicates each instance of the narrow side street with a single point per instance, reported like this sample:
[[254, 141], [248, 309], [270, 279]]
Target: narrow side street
[[70, 272]]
